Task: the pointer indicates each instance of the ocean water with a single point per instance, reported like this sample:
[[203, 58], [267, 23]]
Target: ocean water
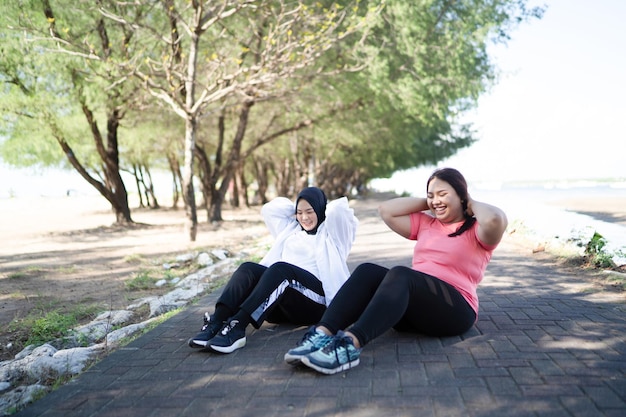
[[529, 206], [19, 183], [538, 210]]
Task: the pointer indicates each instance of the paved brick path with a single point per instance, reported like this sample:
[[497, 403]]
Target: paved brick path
[[541, 347]]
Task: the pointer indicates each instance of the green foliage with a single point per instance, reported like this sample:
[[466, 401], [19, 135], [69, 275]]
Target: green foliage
[[381, 85], [48, 323], [149, 136], [141, 280], [596, 252], [52, 326]]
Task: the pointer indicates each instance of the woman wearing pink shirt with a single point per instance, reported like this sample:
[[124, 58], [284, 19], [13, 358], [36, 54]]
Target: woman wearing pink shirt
[[436, 296]]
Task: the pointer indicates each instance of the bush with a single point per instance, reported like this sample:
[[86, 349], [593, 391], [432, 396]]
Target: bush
[[596, 252]]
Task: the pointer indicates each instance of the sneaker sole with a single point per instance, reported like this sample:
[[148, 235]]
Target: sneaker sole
[[293, 359], [229, 349], [195, 343], [328, 371]]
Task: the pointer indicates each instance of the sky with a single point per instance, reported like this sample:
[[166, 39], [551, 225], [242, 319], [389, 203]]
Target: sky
[[557, 111]]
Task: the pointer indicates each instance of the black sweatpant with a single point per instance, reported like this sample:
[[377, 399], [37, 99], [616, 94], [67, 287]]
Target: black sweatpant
[[278, 294], [375, 299]]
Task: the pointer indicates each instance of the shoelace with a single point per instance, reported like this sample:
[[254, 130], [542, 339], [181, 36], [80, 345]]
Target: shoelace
[[336, 344], [312, 336], [227, 328], [207, 321]]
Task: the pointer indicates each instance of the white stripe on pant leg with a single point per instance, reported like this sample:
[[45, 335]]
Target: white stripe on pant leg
[[273, 297]]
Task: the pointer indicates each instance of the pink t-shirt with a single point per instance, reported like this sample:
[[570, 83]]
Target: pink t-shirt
[[460, 261]]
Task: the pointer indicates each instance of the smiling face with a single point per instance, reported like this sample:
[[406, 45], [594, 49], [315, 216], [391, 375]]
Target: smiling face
[[444, 202], [306, 215]]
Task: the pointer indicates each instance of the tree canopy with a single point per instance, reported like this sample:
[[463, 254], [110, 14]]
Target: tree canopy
[[251, 93]]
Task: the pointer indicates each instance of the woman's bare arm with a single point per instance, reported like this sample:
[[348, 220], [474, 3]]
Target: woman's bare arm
[[492, 221], [395, 213]]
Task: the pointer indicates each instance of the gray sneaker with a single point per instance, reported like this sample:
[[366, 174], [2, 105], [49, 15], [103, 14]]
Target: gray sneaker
[[311, 341], [338, 355]]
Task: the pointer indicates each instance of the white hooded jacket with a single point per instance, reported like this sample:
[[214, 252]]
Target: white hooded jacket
[[333, 243]]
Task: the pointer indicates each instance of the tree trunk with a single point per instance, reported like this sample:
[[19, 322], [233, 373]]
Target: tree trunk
[[243, 191], [138, 184], [234, 197], [176, 179], [205, 175], [191, 225], [232, 164], [191, 124], [113, 188], [217, 166], [112, 170], [262, 179]]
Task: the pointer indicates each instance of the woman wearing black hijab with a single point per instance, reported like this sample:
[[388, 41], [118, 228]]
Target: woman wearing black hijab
[[297, 278]]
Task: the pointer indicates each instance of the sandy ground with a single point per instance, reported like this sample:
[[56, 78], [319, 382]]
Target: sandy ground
[[612, 210], [57, 253]]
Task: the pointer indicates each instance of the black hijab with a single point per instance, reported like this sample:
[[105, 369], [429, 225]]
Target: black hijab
[[317, 199]]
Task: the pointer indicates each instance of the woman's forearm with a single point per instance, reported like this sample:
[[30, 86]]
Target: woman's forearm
[[484, 212], [395, 213], [402, 206], [491, 220]]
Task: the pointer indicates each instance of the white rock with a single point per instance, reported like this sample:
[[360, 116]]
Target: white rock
[[115, 336], [45, 361], [204, 259], [186, 257], [138, 303], [220, 254], [19, 397], [116, 317], [25, 352], [101, 325]]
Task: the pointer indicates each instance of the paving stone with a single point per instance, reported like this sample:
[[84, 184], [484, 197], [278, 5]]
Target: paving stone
[[537, 349]]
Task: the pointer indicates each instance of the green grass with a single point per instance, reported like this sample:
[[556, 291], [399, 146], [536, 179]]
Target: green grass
[[51, 326], [142, 280], [48, 322], [25, 272], [152, 271]]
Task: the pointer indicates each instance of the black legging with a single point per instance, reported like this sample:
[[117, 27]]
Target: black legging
[[375, 299], [279, 293]]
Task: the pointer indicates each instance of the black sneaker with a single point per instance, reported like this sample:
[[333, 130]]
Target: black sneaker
[[209, 330], [229, 338]]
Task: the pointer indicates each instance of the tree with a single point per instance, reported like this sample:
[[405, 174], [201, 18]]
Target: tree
[[427, 65], [60, 61], [247, 50], [360, 89]]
